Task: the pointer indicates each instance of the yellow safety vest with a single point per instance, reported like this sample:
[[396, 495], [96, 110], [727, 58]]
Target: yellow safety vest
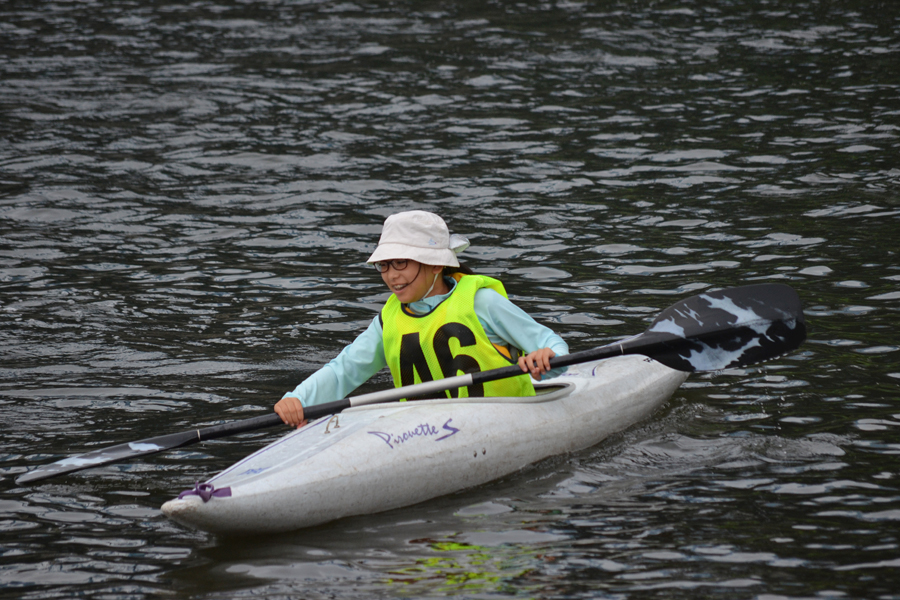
[[447, 342]]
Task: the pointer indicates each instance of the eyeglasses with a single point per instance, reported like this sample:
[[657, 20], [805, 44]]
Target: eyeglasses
[[398, 263]]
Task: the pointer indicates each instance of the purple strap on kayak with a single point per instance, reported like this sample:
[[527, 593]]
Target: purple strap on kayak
[[206, 491]]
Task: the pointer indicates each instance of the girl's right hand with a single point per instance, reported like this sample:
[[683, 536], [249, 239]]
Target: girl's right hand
[[291, 411], [537, 363]]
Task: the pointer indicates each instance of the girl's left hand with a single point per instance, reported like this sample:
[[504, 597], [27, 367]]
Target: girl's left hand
[[537, 363]]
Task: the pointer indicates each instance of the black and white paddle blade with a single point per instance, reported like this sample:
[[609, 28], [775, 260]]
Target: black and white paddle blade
[[130, 450], [729, 328], [108, 455]]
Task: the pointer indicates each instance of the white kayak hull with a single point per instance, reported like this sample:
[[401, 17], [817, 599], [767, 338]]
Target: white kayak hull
[[380, 457]]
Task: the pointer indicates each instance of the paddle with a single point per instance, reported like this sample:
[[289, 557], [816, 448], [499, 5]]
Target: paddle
[[733, 327]]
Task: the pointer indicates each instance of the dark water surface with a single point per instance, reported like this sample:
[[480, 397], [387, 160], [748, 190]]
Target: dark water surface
[[188, 192]]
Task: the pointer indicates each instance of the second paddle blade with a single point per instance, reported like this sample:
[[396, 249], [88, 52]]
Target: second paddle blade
[[108, 455]]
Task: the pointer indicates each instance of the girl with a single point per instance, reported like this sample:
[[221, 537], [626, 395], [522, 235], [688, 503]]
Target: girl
[[440, 321]]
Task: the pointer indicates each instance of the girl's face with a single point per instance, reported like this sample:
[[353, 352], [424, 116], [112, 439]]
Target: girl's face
[[411, 284]]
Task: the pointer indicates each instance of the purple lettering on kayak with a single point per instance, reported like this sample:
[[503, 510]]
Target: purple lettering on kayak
[[386, 437], [420, 431], [450, 428]]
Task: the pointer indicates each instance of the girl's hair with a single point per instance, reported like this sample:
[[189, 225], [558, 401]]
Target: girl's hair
[[460, 269]]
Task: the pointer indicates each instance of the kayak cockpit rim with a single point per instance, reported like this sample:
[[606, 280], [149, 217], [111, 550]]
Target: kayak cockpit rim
[[544, 392]]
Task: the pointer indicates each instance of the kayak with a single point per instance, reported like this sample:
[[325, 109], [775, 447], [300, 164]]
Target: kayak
[[379, 457]]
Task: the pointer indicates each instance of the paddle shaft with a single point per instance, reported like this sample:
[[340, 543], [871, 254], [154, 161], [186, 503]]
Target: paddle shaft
[[131, 450], [729, 328], [438, 386], [236, 427]]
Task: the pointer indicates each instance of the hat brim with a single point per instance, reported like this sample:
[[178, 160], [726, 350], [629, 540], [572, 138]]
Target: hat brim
[[429, 256]]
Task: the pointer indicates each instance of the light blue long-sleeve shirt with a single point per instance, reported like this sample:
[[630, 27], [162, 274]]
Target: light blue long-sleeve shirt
[[503, 322]]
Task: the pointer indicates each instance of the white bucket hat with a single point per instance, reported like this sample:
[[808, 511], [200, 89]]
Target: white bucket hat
[[420, 236]]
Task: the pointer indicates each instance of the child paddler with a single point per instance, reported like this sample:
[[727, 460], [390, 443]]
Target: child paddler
[[440, 321]]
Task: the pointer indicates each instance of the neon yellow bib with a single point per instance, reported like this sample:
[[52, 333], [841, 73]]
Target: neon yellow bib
[[448, 341]]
